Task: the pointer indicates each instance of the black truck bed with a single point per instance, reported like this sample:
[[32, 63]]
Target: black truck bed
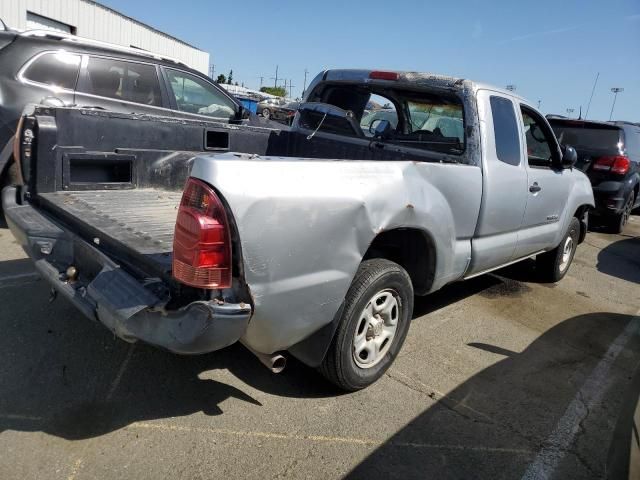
[[139, 222]]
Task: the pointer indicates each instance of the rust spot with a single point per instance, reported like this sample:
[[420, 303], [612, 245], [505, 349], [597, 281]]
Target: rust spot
[[410, 205]]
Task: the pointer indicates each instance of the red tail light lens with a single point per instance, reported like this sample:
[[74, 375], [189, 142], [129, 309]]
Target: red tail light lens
[[380, 75], [202, 241], [615, 164]]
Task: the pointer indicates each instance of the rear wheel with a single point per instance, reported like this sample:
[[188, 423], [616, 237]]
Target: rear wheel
[[619, 221], [373, 326], [554, 265]]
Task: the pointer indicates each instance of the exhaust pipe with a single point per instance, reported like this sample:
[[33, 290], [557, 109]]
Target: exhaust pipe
[[274, 361]]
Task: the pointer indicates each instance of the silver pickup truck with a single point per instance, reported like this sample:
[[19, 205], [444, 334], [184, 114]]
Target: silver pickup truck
[[311, 240]]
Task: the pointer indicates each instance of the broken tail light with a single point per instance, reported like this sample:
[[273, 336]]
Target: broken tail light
[[615, 164], [202, 240]]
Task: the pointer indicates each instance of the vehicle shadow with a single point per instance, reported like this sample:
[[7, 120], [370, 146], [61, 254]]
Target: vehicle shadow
[[495, 423], [621, 259], [70, 377]]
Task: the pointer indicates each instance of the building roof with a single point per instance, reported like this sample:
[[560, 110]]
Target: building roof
[[160, 32]]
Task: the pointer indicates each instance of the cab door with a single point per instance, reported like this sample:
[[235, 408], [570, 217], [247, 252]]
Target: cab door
[[548, 186], [504, 183]]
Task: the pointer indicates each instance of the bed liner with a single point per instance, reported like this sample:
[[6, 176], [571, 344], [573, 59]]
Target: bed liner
[[136, 223]]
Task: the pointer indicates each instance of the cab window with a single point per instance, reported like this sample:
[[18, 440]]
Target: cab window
[[505, 130], [194, 95], [121, 80], [58, 69], [539, 140]]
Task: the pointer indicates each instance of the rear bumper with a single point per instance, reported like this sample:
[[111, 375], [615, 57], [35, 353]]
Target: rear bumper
[[610, 197], [105, 292]]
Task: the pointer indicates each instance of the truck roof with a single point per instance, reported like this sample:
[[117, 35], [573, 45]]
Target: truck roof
[[407, 77]]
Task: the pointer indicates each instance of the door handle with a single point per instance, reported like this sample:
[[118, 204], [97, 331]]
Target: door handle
[[535, 188]]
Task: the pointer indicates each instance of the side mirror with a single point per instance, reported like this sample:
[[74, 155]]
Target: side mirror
[[380, 128], [569, 156]]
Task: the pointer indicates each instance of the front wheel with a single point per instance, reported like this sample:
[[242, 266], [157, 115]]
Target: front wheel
[[374, 323], [554, 265]]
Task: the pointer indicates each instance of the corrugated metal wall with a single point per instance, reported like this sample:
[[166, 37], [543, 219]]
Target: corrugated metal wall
[[95, 21]]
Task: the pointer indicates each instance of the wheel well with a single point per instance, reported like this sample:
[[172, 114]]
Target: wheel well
[[410, 248]]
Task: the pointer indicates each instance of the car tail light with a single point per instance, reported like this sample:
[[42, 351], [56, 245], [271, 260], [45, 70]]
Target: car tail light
[[615, 164], [202, 241], [380, 75]]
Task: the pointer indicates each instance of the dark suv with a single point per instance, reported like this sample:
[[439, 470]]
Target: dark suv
[[63, 70], [609, 153]]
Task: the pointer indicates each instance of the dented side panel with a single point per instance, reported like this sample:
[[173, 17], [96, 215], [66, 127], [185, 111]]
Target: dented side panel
[[304, 226]]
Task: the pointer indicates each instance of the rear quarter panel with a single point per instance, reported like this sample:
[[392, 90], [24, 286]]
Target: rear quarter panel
[[304, 226]]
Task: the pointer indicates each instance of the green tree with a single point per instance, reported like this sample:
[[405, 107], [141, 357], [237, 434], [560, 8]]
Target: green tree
[[277, 91], [221, 78], [230, 77]]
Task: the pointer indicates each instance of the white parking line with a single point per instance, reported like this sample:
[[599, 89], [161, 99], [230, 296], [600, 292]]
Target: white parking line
[[591, 392], [123, 367], [365, 442]]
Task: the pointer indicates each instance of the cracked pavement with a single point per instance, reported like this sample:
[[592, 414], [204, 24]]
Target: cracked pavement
[[495, 373]]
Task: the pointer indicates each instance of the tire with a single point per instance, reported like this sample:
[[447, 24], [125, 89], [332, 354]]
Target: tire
[[266, 113], [617, 222], [554, 265], [371, 318]]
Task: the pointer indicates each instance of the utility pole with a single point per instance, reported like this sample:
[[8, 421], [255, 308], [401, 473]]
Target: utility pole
[[261, 79], [290, 88], [304, 87], [615, 91], [570, 111], [212, 69], [275, 79], [511, 87], [539, 102]]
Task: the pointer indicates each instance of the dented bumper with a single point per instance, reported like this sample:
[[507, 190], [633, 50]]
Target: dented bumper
[[103, 291]]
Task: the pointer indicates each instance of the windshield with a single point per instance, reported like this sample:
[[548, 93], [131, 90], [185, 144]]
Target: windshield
[[584, 136]]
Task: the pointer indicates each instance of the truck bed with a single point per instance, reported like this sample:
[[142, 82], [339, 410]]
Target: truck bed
[[139, 222]]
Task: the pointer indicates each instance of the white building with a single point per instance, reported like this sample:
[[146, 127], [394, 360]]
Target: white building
[[90, 19]]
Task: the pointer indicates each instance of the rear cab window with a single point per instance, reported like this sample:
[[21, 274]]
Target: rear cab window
[[57, 69], [421, 120], [122, 80]]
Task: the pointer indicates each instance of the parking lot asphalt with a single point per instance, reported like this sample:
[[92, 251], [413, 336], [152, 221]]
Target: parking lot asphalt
[[500, 377]]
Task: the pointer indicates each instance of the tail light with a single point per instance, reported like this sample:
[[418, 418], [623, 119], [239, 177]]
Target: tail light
[[615, 164], [202, 241]]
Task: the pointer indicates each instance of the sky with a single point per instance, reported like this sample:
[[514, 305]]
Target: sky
[[551, 51]]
